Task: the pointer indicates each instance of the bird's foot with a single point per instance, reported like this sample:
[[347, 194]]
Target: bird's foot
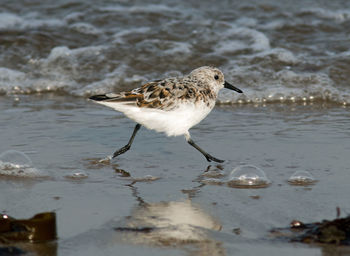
[[211, 158], [121, 151]]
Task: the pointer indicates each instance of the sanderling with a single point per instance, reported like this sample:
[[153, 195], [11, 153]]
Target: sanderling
[[172, 105]]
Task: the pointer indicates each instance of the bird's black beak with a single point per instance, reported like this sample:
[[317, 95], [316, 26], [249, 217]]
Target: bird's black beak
[[231, 87]]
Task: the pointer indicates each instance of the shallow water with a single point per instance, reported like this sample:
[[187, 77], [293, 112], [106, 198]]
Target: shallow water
[[66, 135], [162, 197]]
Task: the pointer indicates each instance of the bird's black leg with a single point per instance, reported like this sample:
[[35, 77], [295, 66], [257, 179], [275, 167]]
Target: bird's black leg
[[127, 146], [207, 156]]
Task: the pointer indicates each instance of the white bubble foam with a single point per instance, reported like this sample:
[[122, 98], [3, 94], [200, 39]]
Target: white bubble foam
[[285, 86], [248, 176], [178, 48], [85, 28], [60, 71], [74, 16], [144, 8], [264, 73], [121, 36], [10, 75], [273, 24], [10, 21], [240, 38], [279, 54], [10, 80], [337, 15], [106, 85], [65, 52], [39, 23], [246, 22]]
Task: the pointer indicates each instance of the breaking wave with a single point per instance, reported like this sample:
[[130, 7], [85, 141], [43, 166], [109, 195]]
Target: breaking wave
[[274, 53]]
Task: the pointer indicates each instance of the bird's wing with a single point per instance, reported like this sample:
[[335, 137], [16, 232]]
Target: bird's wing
[[160, 94], [117, 97]]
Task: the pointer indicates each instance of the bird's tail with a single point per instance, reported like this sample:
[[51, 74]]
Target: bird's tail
[[101, 97], [117, 97]]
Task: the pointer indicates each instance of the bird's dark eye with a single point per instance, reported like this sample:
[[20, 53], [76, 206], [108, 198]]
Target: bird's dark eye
[[216, 77]]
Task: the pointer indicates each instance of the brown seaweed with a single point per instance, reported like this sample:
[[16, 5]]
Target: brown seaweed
[[335, 231], [39, 228]]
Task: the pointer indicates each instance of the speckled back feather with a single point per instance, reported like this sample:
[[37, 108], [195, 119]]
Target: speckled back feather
[[162, 94]]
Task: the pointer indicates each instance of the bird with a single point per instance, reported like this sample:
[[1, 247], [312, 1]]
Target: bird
[[171, 105]]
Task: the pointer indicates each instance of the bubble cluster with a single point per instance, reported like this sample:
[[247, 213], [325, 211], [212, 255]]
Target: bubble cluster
[[77, 175], [301, 178], [248, 176], [15, 158], [16, 163]]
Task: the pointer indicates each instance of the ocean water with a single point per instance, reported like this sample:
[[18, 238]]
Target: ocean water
[[276, 51], [162, 197]]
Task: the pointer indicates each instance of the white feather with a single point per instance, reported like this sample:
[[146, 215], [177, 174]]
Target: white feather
[[174, 122]]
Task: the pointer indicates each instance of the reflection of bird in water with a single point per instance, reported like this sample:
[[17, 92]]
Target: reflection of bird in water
[[174, 223]]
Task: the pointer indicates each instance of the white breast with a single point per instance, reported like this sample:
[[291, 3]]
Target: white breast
[[174, 123]]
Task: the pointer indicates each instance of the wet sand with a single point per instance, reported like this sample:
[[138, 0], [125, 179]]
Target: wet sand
[[168, 206]]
